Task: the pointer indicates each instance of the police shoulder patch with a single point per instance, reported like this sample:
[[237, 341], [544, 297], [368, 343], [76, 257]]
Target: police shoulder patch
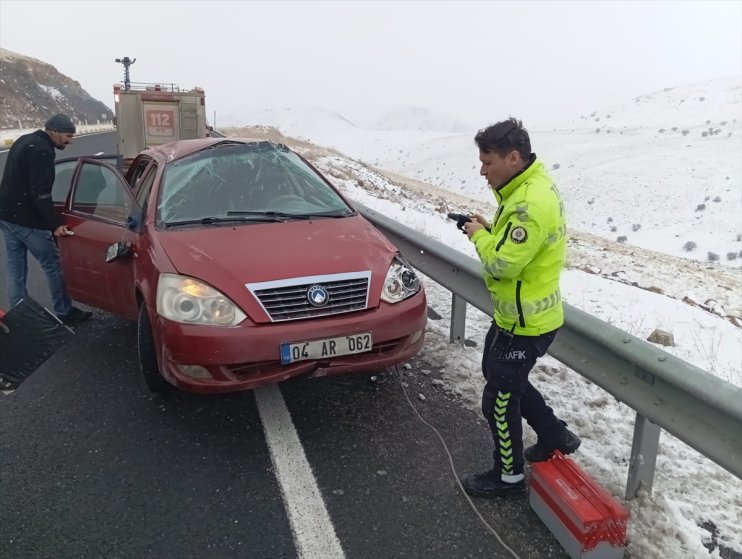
[[518, 235]]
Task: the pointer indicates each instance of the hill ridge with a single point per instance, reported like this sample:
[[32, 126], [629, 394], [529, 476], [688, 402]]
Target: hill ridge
[[32, 90]]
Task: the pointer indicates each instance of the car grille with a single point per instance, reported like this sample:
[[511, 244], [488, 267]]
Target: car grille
[[287, 299]]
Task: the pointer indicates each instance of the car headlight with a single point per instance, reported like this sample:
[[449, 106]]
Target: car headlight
[[401, 281], [187, 300]]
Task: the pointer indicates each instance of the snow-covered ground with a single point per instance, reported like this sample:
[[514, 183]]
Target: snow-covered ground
[[664, 170], [634, 175]]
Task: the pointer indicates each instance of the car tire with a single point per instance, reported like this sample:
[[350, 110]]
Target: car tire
[[148, 356]]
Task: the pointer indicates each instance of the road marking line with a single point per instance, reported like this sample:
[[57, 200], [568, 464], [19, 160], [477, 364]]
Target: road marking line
[[314, 534]]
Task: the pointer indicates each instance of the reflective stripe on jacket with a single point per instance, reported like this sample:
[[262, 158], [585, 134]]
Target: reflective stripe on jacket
[[524, 253]]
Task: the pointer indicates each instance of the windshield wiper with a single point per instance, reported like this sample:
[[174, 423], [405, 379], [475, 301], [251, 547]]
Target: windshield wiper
[[268, 214], [287, 215], [261, 217], [331, 213], [214, 220]]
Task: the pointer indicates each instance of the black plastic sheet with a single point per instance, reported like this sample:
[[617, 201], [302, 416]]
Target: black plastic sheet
[[31, 336]]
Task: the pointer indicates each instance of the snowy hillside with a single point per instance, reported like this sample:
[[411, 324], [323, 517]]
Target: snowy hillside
[[662, 171], [307, 118], [705, 105], [415, 118], [32, 90]]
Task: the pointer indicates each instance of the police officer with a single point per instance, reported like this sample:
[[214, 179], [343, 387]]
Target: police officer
[[523, 252]]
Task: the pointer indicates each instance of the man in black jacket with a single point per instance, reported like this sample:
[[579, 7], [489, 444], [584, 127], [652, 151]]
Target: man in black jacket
[[28, 219]]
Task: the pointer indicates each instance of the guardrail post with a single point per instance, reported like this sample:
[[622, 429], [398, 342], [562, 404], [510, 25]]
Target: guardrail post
[[643, 456], [458, 319]]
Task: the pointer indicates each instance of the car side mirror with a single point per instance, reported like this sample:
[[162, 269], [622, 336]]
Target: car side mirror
[[134, 221], [117, 250]]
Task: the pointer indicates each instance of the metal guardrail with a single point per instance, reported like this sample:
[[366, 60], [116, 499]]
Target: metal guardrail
[[700, 409], [8, 136]]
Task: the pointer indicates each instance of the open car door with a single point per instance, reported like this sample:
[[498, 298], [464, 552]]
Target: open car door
[[103, 215]]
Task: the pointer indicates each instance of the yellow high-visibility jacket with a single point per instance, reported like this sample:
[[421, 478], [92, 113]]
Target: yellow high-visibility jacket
[[524, 252]]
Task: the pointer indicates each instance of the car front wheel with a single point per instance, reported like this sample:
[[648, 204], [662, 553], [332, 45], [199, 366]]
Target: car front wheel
[[148, 356]]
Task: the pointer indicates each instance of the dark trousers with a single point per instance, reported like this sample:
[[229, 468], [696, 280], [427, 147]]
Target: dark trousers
[[509, 396]]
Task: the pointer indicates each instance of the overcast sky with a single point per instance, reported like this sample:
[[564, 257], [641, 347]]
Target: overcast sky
[[479, 61]]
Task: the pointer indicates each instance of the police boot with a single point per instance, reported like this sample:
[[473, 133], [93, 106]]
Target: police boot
[[564, 440], [489, 484]]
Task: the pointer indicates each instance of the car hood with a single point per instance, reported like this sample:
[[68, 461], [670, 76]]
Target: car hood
[[227, 257]]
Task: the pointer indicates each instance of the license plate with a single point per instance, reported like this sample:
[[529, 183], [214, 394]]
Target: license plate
[[329, 347]]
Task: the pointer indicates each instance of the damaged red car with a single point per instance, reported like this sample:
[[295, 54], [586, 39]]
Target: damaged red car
[[241, 263]]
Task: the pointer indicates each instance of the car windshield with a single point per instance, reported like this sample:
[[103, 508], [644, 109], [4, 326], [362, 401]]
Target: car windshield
[[233, 182]]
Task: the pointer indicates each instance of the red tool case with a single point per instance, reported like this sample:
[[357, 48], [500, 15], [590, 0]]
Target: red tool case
[[586, 519]]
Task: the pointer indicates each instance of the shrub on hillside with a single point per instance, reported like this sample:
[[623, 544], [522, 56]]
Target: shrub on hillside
[[622, 239], [689, 246], [731, 255], [700, 207], [636, 226], [712, 257]]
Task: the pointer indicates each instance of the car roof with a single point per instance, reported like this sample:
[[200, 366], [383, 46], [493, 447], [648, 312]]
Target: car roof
[[182, 148]]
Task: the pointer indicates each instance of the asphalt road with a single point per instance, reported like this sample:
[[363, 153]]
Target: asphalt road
[[93, 466]]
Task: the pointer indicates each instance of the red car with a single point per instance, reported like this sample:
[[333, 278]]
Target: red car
[[241, 263]]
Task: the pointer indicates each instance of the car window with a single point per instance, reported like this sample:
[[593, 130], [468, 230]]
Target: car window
[[99, 193], [237, 177], [65, 169], [145, 185], [136, 174], [63, 180]]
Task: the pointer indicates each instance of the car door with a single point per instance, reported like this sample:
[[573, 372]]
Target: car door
[[99, 209]]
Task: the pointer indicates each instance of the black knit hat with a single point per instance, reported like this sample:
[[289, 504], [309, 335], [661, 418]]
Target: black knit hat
[[61, 123]]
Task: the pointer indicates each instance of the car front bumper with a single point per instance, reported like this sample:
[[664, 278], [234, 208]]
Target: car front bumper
[[247, 356]]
